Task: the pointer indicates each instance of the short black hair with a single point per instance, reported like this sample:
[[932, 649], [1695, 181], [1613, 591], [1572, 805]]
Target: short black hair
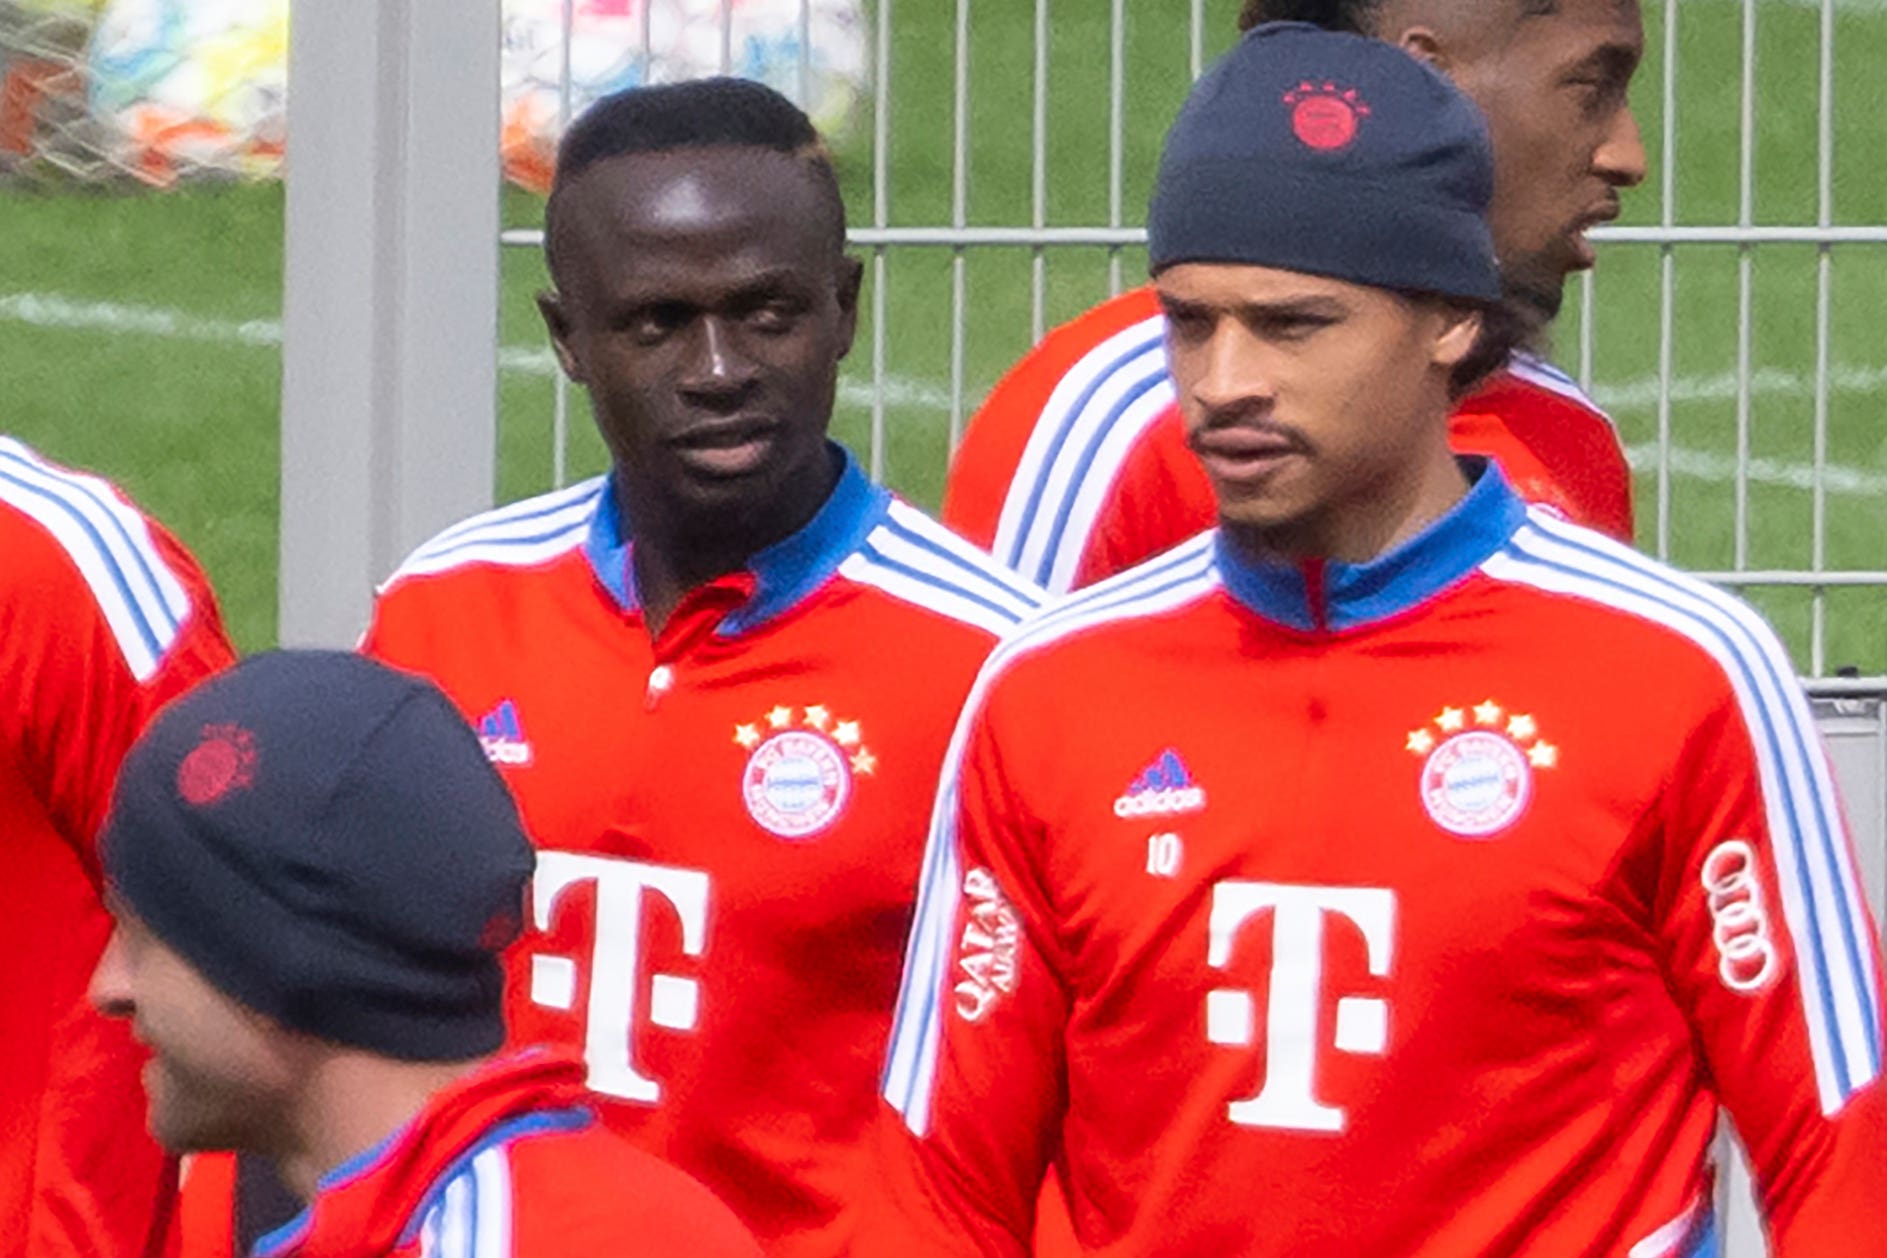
[[700, 113], [1503, 331], [1353, 16]]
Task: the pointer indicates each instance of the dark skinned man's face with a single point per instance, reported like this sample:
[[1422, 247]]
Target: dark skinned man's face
[[1555, 88], [705, 302]]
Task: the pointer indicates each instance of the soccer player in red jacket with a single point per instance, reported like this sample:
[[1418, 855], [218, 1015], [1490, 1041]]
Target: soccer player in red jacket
[[1395, 870], [721, 679], [1076, 466], [103, 618], [313, 871]]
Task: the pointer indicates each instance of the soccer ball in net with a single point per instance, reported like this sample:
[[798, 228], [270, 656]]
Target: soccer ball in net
[[192, 86], [183, 87], [45, 123], [815, 51]]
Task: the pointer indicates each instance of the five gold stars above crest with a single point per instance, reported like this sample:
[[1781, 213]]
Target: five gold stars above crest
[[1518, 727], [818, 718]]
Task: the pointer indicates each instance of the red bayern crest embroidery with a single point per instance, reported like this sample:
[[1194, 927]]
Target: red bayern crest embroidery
[[223, 761], [1324, 116]]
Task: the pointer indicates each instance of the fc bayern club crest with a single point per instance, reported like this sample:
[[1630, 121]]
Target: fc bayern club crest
[[1325, 116], [223, 760], [1478, 766], [802, 766]]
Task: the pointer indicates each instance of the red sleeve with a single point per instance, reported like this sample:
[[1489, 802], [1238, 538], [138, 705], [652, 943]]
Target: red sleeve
[[1556, 446], [985, 462], [1770, 950], [974, 1081], [86, 684], [1160, 498], [984, 466]]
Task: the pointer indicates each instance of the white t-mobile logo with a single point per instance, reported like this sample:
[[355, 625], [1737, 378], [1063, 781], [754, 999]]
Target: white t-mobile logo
[[1288, 1098], [615, 972]]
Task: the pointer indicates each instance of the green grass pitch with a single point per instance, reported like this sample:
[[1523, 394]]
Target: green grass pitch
[[138, 333]]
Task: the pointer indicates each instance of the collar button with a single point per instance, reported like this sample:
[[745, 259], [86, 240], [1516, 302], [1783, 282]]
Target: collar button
[[661, 681]]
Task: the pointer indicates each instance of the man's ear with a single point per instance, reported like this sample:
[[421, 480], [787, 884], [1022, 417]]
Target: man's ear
[[850, 281], [1458, 335], [557, 323], [1421, 43]]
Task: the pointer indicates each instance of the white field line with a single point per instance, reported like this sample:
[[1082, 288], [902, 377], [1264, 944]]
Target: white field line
[[1710, 466], [1642, 394], [52, 311]]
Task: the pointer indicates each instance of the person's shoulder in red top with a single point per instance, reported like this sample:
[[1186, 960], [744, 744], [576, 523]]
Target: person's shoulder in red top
[[104, 617], [1556, 446], [510, 1162], [107, 618], [1076, 467], [1037, 411]]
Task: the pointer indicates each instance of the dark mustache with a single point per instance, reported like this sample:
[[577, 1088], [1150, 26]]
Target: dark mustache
[[1252, 417]]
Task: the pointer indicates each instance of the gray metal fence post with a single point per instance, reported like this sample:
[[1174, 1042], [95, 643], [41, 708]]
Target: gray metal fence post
[[389, 414]]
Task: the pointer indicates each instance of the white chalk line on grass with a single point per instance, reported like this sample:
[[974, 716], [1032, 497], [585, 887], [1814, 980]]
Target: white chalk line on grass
[[52, 311], [1642, 394], [1710, 466], [49, 310]]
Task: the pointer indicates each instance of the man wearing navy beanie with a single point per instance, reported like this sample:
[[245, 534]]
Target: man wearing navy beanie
[[1378, 913], [1318, 238], [313, 869]]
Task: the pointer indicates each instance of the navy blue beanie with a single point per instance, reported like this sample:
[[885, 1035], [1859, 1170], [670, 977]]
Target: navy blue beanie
[[323, 839], [1307, 150]]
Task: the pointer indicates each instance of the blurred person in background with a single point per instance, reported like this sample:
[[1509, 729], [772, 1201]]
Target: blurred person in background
[[1076, 466], [104, 617], [313, 870]]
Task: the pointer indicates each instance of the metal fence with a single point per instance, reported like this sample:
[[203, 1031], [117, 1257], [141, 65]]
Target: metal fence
[[1853, 710], [1207, 27]]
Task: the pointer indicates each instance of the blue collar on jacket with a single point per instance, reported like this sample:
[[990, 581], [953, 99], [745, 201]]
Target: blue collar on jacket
[[1326, 594], [785, 573]]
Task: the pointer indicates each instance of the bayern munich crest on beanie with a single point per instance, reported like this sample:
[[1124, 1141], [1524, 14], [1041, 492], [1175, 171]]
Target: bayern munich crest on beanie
[[1308, 150], [323, 839]]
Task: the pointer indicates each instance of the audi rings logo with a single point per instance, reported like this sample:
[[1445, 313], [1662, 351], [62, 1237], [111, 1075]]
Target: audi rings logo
[[1746, 955]]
